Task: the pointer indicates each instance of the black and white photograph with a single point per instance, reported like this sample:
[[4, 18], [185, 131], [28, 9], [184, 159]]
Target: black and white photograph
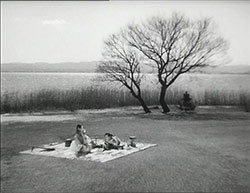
[[125, 96]]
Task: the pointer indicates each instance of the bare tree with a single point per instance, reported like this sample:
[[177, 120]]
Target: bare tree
[[121, 64], [175, 46]]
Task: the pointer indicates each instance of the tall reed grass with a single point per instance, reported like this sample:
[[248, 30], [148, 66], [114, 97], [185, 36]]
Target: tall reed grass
[[97, 98]]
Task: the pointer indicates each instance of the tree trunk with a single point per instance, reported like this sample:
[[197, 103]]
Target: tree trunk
[[162, 100], [139, 98], [143, 104]]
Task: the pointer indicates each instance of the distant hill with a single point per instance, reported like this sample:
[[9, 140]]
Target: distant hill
[[50, 67], [88, 67], [227, 69]]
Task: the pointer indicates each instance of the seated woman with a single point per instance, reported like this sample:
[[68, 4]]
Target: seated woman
[[111, 142], [82, 142]]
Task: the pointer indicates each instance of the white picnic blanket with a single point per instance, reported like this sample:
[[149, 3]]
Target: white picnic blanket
[[96, 154]]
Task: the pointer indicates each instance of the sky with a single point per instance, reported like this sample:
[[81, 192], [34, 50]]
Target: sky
[[66, 31]]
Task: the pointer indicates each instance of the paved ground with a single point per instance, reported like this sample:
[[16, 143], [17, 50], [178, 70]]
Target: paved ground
[[205, 151]]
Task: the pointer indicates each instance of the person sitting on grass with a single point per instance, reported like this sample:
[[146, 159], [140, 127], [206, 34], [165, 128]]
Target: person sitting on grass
[[111, 142], [83, 143], [186, 99]]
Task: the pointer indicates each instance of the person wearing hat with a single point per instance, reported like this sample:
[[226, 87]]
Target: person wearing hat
[[83, 143]]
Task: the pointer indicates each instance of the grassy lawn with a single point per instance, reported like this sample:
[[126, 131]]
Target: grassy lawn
[[204, 151]]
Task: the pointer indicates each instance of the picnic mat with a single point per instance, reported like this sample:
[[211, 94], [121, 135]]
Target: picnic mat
[[96, 154]]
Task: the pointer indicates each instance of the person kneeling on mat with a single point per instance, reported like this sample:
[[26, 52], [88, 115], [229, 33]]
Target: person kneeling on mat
[[82, 142]]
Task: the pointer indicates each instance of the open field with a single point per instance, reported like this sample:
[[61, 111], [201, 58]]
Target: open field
[[205, 151]]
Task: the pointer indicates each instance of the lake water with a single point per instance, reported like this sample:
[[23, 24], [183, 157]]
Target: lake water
[[29, 82]]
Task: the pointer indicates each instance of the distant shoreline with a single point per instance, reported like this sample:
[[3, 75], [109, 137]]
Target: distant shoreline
[[91, 67], [74, 72]]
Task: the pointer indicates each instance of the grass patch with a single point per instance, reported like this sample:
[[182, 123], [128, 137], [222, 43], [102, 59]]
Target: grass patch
[[191, 156]]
